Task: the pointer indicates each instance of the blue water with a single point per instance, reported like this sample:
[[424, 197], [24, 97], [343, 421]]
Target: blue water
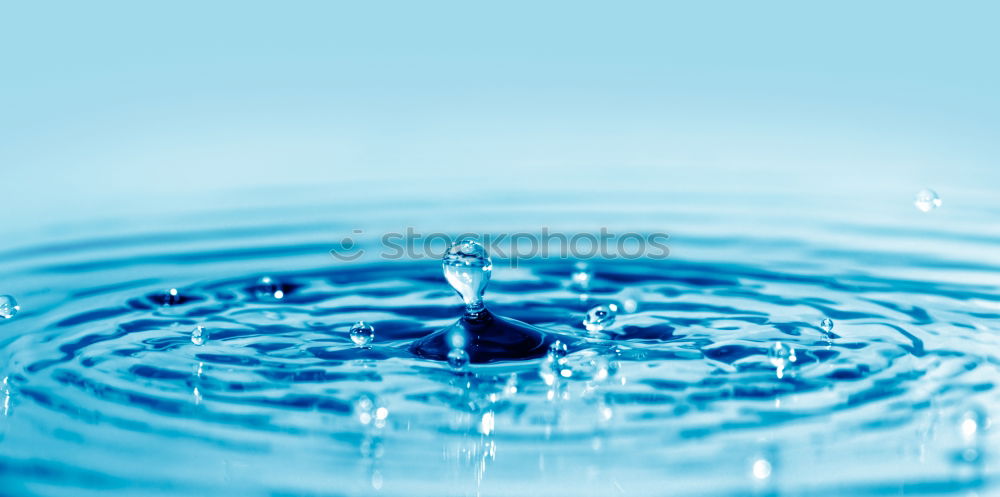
[[683, 394]]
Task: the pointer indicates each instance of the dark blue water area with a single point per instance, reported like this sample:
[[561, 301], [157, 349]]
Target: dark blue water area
[[710, 372]]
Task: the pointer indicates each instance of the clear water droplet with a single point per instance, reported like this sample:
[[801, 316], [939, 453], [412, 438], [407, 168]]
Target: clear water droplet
[[927, 200], [599, 318], [826, 325], [458, 359], [8, 307], [362, 334], [582, 276], [199, 335], [467, 267]]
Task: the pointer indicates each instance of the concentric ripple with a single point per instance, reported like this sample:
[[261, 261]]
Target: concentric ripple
[[715, 375]]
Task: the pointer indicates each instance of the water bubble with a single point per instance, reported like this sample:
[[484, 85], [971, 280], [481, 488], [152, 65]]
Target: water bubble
[[467, 267], [826, 325], [8, 307], [599, 318], [781, 356], [458, 359], [582, 275], [927, 200], [198, 335], [362, 334]]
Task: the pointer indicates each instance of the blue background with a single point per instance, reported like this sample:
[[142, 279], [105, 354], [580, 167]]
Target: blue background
[[108, 106]]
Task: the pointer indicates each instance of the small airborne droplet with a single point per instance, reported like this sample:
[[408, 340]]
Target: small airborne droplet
[[458, 359], [927, 200], [599, 318], [199, 335], [826, 325], [362, 334], [8, 307]]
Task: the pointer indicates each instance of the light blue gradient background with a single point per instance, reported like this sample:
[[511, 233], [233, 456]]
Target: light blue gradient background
[[128, 107]]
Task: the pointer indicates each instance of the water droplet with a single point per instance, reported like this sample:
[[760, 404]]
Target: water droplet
[[5, 393], [458, 359], [467, 267], [171, 297], [606, 413], [362, 334], [549, 370], [510, 387], [582, 275], [927, 200], [370, 411], [364, 409], [487, 423], [826, 325], [972, 423], [558, 350], [781, 356], [630, 305], [599, 318], [8, 307], [587, 365], [761, 469], [199, 335], [267, 287]]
